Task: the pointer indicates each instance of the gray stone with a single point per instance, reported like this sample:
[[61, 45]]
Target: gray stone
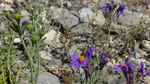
[[61, 3], [59, 12], [47, 78], [93, 6], [99, 18], [147, 79], [139, 8], [117, 1], [119, 59], [147, 64], [52, 38], [103, 2], [17, 40], [20, 1], [111, 79], [81, 71], [149, 6], [129, 19], [114, 41], [146, 45], [81, 29], [8, 1], [64, 3], [24, 13], [115, 28], [147, 34], [6, 7], [45, 55], [2, 26], [86, 15], [148, 30], [54, 64], [67, 21], [83, 39], [122, 80], [138, 55], [43, 15], [26, 81], [72, 50]]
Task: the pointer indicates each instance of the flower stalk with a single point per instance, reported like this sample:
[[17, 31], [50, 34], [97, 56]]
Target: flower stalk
[[30, 58], [8, 58]]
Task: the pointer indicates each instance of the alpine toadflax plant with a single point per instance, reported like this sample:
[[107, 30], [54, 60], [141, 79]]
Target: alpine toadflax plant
[[142, 70], [82, 61], [127, 68], [103, 60], [110, 13]]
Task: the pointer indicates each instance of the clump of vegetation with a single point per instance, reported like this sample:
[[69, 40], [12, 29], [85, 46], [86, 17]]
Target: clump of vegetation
[[92, 65]]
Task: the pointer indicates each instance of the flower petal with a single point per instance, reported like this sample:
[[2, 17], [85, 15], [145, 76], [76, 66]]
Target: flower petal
[[74, 57], [75, 64], [117, 67], [89, 53]]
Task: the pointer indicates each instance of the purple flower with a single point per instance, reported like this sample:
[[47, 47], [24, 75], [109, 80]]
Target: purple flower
[[107, 9], [142, 71], [120, 11], [82, 61], [24, 23], [127, 69], [103, 58]]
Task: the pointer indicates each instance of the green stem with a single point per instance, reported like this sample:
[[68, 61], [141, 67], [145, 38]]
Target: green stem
[[29, 57], [18, 74], [8, 58], [38, 68], [3, 75]]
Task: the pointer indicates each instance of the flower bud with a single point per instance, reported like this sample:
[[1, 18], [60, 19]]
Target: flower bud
[[34, 38], [42, 33], [27, 7], [29, 27], [24, 22], [8, 15], [17, 16]]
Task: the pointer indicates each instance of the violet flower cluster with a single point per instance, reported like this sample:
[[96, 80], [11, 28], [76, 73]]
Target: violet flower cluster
[[142, 70], [109, 8], [128, 68], [82, 61]]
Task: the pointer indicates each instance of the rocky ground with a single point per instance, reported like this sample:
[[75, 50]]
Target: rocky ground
[[84, 23]]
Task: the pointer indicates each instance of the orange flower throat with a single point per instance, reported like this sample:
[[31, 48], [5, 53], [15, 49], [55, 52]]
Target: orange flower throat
[[122, 64], [82, 58]]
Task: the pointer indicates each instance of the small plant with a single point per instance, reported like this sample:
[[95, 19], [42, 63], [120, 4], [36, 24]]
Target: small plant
[[128, 69], [35, 36], [87, 66]]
